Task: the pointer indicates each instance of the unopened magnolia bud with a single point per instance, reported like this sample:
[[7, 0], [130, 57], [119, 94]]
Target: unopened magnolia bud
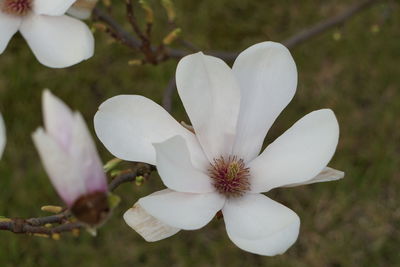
[[149, 11], [56, 236], [172, 36], [112, 164], [71, 160], [52, 209], [169, 7], [135, 62]]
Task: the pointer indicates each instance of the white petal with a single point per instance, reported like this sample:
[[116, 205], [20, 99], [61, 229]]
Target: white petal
[[128, 125], [211, 97], [58, 42], [9, 25], [85, 157], [260, 225], [58, 119], [51, 7], [182, 210], [146, 225], [62, 171], [299, 154], [326, 175], [267, 77], [2, 136], [177, 171]]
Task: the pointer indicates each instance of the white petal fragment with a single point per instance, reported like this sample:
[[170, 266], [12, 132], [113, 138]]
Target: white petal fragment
[[58, 42], [267, 77], [177, 171], [260, 225], [51, 7], [299, 154], [182, 210], [62, 171], [82, 9], [58, 119], [326, 175], [128, 125], [211, 96], [86, 158], [9, 25], [147, 226], [2, 136]]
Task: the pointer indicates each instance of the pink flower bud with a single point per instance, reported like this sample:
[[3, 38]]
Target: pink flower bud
[[2, 136], [71, 160]]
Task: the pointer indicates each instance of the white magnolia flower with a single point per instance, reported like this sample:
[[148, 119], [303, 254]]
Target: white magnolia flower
[[56, 40], [219, 167], [70, 158], [2, 136]]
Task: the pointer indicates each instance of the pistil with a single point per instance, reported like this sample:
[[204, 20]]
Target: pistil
[[230, 176]]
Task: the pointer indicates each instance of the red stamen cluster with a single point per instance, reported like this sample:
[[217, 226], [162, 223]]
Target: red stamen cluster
[[17, 7], [230, 177]]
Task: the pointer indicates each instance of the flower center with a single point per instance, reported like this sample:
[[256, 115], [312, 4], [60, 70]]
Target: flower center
[[230, 176], [17, 7]]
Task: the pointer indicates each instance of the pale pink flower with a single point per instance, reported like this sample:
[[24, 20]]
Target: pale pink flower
[[56, 40], [71, 160], [220, 166], [2, 136]]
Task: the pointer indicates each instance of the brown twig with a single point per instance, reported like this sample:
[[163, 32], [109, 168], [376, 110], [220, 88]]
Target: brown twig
[[168, 94]]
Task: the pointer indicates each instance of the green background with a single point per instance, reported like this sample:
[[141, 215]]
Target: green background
[[352, 222]]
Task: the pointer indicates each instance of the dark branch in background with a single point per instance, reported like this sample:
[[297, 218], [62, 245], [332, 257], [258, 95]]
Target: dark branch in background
[[296, 39], [168, 94], [53, 226], [165, 53], [327, 24]]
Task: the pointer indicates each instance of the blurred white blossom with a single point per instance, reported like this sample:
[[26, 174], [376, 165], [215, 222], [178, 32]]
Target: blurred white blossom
[[220, 168], [2, 136], [71, 160], [56, 40]]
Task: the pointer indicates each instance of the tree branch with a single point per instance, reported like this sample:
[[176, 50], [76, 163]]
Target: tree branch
[[43, 226], [290, 42]]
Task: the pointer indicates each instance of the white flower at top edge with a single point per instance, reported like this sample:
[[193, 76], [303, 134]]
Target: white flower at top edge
[[220, 167], [70, 159], [56, 40], [2, 136]]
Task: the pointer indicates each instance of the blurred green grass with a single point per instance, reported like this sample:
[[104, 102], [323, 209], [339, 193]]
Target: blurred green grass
[[353, 222]]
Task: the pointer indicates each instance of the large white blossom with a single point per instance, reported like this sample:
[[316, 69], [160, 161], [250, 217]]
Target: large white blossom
[[57, 40], [2, 136], [219, 167], [70, 158]]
